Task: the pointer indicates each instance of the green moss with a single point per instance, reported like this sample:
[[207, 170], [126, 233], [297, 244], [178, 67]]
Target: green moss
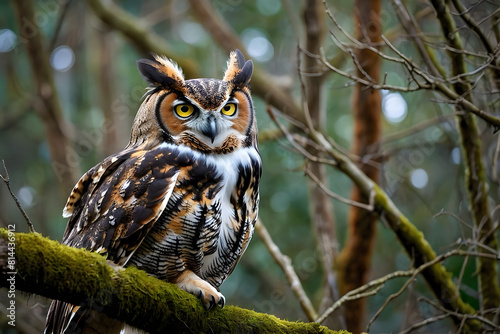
[[438, 278], [84, 278]]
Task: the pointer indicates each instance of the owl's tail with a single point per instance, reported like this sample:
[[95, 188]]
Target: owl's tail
[[70, 319]]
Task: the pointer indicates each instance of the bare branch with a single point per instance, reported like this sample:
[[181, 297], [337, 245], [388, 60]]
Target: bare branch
[[411, 27], [430, 83], [7, 183], [451, 313], [368, 207], [286, 266], [294, 142], [377, 284], [425, 323]]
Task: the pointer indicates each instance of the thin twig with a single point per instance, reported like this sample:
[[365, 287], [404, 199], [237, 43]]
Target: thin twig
[[363, 291], [456, 314], [295, 144], [339, 27], [494, 165], [425, 323], [63, 10], [369, 207], [412, 273], [7, 182], [431, 83], [285, 264]]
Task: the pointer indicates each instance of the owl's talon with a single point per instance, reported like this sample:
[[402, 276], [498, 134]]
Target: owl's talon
[[211, 304], [221, 302], [200, 288]]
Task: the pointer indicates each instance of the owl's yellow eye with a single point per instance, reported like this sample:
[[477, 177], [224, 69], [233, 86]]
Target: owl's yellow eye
[[229, 109], [184, 110]]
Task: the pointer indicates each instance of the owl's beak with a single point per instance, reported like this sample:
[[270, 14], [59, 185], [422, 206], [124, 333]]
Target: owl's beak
[[210, 130]]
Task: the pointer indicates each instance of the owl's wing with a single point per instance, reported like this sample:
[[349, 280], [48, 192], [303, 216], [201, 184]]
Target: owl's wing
[[115, 204], [112, 208]]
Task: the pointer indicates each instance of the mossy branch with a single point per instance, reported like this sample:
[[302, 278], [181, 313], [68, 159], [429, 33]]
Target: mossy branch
[[80, 277], [413, 240], [475, 176]]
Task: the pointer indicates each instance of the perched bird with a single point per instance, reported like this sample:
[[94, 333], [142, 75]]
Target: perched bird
[[181, 200]]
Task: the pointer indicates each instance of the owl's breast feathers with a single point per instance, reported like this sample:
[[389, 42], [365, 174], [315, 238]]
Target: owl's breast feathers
[[168, 209]]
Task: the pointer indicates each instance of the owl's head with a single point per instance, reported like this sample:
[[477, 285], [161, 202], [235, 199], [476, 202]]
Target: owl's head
[[208, 115]]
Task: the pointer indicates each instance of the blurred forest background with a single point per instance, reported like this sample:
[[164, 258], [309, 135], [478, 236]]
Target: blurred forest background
[[310, 74]]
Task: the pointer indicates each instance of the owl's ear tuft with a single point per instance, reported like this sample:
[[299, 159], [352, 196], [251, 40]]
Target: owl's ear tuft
[[161, 72], [238, 71], [242, 79]]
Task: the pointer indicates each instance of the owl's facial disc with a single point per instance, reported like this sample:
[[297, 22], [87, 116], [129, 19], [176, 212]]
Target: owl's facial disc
[[211, 127]]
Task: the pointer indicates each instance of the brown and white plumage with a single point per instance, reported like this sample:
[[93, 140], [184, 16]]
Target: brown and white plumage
[[181, 200]]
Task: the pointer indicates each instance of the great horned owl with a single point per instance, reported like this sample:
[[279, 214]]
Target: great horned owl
[[181, 200]]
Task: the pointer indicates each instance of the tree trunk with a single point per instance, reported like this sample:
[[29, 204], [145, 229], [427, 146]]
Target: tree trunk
[[354, 261], [320, 204]]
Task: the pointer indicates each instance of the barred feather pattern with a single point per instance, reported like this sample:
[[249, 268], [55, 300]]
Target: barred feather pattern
[[210, 206], [208, 220]]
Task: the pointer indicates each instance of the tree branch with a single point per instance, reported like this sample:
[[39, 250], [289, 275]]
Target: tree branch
[[376, 285], [414, 32], [144, 39], [413, 240], [286, 266], [474, 169], [76, 276], [420, 79], [147, 41]]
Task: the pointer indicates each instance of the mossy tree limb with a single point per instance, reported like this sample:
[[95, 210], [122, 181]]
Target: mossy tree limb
[[80, 277], [475, 178], [413, 240]]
